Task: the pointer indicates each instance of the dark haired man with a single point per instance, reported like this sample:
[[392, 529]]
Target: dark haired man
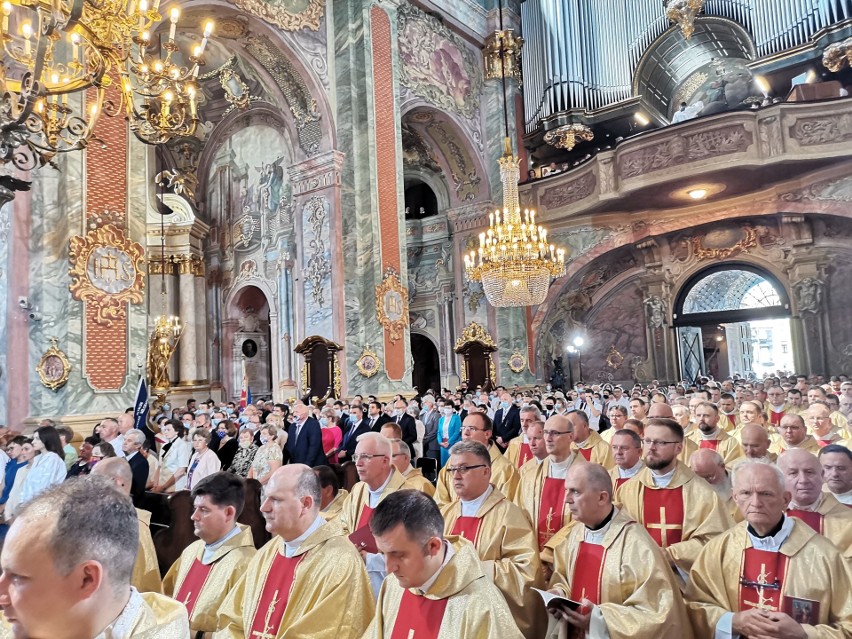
[[680, 510], [437, 582], [208, 568]]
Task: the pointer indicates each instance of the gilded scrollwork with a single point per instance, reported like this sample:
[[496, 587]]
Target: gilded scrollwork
[[106, 272], [392, 305], [53, 368], [279, 13]]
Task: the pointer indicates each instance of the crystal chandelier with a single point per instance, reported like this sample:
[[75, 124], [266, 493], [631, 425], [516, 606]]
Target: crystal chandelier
[[567, 136], [160, 89], [683, 14], [514, 261], [50, 57]]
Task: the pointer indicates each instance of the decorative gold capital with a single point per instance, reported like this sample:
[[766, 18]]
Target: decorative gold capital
[[567, 136], [502, 52]]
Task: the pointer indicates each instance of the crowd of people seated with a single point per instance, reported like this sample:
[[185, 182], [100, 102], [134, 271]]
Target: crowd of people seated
[[706, 509]]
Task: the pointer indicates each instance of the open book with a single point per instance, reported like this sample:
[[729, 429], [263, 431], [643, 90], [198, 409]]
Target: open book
[[555, 601]]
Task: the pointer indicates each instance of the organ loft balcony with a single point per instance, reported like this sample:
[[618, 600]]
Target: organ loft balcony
[[599, 75]]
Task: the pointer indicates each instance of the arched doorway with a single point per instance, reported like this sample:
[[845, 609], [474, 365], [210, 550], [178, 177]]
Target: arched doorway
[[733, 319], [247, 325], [427, 365]]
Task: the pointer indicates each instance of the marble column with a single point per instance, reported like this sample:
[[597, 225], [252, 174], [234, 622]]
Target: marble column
[[187, 349], [202, 345]]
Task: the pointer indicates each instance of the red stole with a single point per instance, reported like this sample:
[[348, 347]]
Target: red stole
[[586, 453], [526, 454], [467, 527], [732, 420], [588, 573], [551, 509], [620, 480], [273, 599], [775, 418], [421, 618], [822, 443], [364, 519], [663, 509], [192, 585], [812, 519], [712, 444], [762, 581]]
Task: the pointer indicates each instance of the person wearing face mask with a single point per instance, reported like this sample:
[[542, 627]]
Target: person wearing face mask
[[228, 445], [332, 436], [358, 425], [449, 429], [268, 457], [244, 456], [507, 421]]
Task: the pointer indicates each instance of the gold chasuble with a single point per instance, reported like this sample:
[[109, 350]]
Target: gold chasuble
[[415, 480], [149, 615], [806, 578], [503, 476], [728, 447], [461, 604], [626, 575], [202, 587], [596, 450], [681, 518], [332, 511], [506, 545], [353, 515], [146, 569], [542, 498], [831, 519], [518, 452], [321, 592]]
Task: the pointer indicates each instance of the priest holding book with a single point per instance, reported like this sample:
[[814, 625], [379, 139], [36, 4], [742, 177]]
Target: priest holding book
[[613, 568]]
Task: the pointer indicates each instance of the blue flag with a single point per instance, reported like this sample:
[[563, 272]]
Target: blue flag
[[140, 407]]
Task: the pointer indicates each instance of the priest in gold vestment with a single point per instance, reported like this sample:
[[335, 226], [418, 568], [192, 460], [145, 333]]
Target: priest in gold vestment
[[67, 561], [307, 581], [771, 575], [435, 587], [519, 451], [588, 443], [146, 568], [414, 478], [478, 427], [541, 494], [379, 478], [612, 566], [680, 510], [499, 530], [333, 496], [819, 510], [209, 568]]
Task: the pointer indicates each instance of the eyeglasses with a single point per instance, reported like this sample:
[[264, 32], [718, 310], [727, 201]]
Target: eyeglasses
[[365, 456], [470, 429], [555, 433], [464, 470], [657, 443]]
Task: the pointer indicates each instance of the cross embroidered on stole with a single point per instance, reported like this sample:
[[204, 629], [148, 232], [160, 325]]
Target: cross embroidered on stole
[[663, 514]]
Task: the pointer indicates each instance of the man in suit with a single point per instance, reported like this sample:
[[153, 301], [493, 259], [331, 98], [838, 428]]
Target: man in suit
[[132, 449], [305, 439], [507, 421], [358, 427], [406, 423], [375, 416], [430, 418]]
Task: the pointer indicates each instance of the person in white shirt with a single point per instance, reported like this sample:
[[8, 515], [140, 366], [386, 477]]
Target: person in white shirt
[[48, 467], [587, 403]]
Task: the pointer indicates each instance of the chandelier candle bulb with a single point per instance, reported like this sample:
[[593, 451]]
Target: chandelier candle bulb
[[174, 15]]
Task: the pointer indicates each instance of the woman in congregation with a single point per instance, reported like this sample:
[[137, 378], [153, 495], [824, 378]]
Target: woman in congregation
[[269, 456], [204, 461], [174, 458], [244, 455], [48, 466], [332, 435], [228, 443]]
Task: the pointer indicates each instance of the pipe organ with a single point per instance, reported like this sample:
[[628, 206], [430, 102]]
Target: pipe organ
[[582, 54]]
